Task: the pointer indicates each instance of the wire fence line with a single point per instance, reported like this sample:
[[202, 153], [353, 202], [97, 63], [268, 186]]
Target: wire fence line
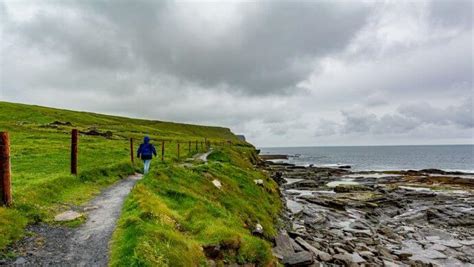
[[167, 150]]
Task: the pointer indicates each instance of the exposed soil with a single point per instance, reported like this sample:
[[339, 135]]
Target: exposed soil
[[86, 245]]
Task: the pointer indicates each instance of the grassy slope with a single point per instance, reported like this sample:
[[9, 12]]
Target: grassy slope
[[42, 185], [176, 211]]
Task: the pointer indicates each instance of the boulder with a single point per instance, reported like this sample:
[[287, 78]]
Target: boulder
[[296, 246], [346, 188], [305, 184], [450, 243], [366, 254], [318, 253], [403, 254], [467, 242], [438, 247], [283, 245], [356, 258], [344, 167], [387, 263], [344, 258], [302, 258]]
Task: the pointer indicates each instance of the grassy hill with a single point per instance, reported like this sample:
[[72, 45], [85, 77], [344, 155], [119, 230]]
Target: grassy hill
[[168, 211]]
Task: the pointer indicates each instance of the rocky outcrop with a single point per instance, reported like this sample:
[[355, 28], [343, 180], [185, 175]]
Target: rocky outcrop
[[374, 218]]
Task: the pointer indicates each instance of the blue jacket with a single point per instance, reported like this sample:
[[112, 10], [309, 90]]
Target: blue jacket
[[146, 150]]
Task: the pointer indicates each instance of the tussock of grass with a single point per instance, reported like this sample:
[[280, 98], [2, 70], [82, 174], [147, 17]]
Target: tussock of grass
[[182, 208], [13, 224]]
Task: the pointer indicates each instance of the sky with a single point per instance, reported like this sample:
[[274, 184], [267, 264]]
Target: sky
[[283, 73]]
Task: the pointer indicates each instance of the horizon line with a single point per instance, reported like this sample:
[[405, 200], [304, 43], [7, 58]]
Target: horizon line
[[363, 145]]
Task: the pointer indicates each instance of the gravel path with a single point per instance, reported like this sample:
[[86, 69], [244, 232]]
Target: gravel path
[[87, 245], [203, 156]]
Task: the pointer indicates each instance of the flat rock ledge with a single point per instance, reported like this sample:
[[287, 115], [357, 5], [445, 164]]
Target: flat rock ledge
[[338, 217]]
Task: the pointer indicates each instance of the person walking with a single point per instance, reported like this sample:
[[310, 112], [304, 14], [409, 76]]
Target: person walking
[[146, 152]]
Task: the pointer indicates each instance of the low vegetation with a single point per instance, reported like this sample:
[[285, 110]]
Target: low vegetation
[[175, 215]]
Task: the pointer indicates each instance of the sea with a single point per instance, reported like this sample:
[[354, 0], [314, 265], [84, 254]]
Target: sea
[[379, 158]]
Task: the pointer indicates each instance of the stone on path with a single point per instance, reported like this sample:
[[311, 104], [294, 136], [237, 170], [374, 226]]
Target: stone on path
[[89, 208], [20, 261], [67, 216]]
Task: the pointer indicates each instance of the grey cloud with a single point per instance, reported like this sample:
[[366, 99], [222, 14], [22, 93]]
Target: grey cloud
[[282, 72], [461, 115], [454, 13], [357, 122], [407, 118], [261, 54]]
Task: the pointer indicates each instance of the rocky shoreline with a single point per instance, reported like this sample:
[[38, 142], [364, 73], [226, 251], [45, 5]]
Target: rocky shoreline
[[336, 217]]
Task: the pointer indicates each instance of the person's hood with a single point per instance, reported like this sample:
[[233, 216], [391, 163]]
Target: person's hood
[[146, 140]]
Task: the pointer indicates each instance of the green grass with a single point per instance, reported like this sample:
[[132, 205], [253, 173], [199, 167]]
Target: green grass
[[40, 158], [169, 216], [175, 211]]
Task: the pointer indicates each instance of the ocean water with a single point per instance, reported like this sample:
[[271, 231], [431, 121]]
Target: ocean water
[[445, 157]]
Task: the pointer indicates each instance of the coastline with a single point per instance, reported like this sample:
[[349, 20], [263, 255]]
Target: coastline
[[382, 158], [391, 218]]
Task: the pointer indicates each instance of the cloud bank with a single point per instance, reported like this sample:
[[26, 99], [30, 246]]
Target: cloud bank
[[281, 72]]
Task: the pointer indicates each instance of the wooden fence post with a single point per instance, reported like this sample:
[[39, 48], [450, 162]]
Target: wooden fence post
[[162, 150], [189, 147], [197, 149], [74, 152], [131, 151], [5, 170], [178, 150]]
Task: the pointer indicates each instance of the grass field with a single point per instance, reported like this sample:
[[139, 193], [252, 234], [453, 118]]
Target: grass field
[[42, 185], [175, 216]]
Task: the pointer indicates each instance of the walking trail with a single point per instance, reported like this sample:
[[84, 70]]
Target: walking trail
[[203, 156], [87, 245]]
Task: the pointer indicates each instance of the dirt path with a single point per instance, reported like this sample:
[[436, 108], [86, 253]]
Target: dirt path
[[87, 245], [203, 156]]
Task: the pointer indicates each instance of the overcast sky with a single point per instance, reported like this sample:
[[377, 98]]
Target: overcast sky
[[284, 73]]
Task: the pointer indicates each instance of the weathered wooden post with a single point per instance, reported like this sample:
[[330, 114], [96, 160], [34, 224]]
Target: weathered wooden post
[[197, 149], [131, 151], [163, 150], [189, 147], [5, 170], [74, 152], [178, 150]]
